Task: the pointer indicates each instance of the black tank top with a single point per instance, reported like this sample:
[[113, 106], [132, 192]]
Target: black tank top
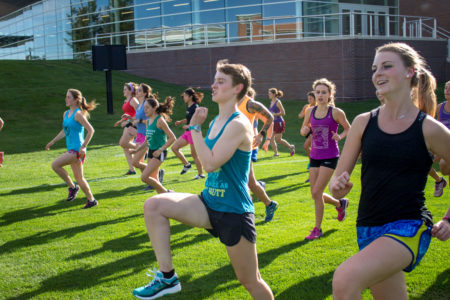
[[393, 174]]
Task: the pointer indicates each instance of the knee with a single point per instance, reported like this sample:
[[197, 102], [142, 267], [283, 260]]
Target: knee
[[251, 284], [317, 195], [144, 176], [136, 163], [175, 148], [123, 143], [150, 206], [445, 167], [344, 284], [55, 166]]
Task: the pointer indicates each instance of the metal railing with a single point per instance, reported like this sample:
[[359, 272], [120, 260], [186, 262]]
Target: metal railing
[[263, 30]]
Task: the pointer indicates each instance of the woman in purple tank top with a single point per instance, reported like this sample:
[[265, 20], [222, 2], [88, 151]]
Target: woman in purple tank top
[[443, 115], [323, 121], [277, 110]]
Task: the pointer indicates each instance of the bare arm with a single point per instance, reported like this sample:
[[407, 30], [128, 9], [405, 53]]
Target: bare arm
[[162, 124], [301, 115], [265, 115], [59, 136], [339, 116], [237, 135], [340, 184], [1, 123], [438, 108], [81, 118], [305, 126]]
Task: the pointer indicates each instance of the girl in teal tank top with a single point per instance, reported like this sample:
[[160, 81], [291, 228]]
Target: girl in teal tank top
[[74, 122], [224, 207], [159, 138]]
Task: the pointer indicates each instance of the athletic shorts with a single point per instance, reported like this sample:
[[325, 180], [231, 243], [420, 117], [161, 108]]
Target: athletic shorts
[[162, 157], [188, 137], [279, 126], [79, 157], [229, 227], [413, 234], [140, 138], [329, 163]]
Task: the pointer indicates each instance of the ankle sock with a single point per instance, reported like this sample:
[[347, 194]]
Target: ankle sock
[[169, 274]]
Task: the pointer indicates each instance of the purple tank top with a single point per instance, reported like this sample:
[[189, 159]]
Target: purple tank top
[[275, 110], [444, 117], [323, 146]]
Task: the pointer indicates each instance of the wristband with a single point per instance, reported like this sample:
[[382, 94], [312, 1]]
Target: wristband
[[195, 127], [446, 218]]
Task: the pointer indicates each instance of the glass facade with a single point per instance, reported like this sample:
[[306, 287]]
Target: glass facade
[[66, 29]]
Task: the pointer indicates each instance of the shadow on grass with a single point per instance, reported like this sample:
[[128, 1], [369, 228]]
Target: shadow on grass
[[318, 287], [34, 189], [438, 289], [46, 236]]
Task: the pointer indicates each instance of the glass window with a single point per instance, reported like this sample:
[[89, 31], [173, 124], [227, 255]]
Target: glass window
[[176, 13], [246, 19], [208, 12], [148, 14]]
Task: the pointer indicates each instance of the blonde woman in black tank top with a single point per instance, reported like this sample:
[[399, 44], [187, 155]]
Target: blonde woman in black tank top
[[400, 76]]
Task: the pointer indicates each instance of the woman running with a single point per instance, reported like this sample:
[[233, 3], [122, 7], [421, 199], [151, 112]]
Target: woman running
[[224, 207], [74, 122], [277, 110], [158, 140], [129, 130], [394, 227], [301, 115], [443, 114], [143, 93], [192, 100], [323, 121]]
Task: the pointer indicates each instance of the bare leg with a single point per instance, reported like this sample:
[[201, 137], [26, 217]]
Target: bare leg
[[376, 267], [180, 143], [319, 178], [198, 163], [150, 175], [256, 188], [138, 159], [273, 144], [125, 142], [77, 168], [280, 140], [307, 145], [445, 167], [435, 175], [244, 260], [185, 208], [64, 160]]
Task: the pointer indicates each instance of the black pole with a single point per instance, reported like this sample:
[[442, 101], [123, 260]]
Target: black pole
[[109, 95]]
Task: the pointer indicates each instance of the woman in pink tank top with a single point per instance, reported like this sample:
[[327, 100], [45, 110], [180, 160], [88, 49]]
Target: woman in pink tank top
[[322, 121], [129, 130]]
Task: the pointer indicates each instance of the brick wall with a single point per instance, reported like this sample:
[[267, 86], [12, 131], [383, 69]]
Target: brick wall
[[291, 67]]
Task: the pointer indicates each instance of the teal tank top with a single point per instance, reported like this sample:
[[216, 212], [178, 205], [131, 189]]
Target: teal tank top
[[156, 138], [226, 189], [74, 131]]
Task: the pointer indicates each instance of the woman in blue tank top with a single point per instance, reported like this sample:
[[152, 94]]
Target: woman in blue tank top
[[394, 227], [74, 123], [224, 207]]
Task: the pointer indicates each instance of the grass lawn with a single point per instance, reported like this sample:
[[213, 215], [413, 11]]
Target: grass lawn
[[51, 249]]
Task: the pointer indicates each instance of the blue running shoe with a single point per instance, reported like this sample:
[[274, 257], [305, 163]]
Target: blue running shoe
[[270, 211], [158, 287], [161, 175]]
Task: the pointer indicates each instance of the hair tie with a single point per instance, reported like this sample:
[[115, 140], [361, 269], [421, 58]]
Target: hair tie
[[131, 87]]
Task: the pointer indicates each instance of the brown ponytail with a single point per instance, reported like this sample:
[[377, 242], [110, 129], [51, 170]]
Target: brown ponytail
[[82, 103], [164, 109]]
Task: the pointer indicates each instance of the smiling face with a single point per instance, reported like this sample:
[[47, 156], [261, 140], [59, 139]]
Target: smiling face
[[149, 110], [390, 73], [222, 88], [322, 94]]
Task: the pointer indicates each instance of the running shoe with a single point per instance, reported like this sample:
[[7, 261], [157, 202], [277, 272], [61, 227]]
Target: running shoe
[[199, 176], [73, 192], [186, 168], [130, 172], [292, 148], [439, 187], [315, 234], [148, 188], [276, 155], [90, 204], [307, 180], [161, 175], [270, 211], [308, 166], [158, 287], [342, 211], [262, 184]]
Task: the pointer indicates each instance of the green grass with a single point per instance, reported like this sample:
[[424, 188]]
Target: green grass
[[51, 249]]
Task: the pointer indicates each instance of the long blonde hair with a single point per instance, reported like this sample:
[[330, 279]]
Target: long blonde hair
[[82, 103], [423, 83]]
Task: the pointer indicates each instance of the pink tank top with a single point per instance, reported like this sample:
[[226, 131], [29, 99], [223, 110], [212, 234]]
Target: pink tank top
[[323, 146], [128, 109]]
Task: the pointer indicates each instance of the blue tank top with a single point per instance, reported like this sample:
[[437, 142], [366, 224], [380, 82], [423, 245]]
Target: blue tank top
[[226, 189], [140, 115], [73, 130]]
